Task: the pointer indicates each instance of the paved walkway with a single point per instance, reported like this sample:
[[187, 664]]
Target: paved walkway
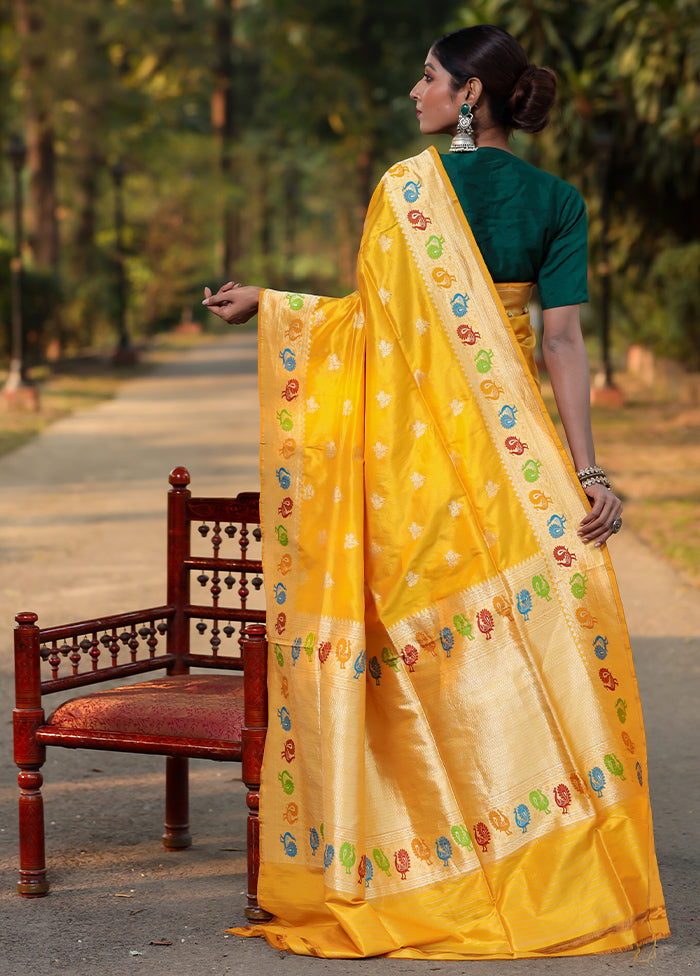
[[82, 531]]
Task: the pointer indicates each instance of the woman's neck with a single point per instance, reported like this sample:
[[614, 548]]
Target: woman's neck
[[493, 137]]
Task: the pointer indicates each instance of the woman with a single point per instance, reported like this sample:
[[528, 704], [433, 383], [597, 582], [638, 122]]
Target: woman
[[455, 765]]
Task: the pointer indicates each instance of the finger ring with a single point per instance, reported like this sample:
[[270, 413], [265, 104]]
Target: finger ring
[[617, 524]]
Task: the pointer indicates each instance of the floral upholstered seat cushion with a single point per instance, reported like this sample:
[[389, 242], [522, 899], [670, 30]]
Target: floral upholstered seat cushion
[[208, 706]]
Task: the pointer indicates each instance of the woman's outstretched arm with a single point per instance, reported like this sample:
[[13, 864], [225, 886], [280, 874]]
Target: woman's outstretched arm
[[567, 365], [233, 303]]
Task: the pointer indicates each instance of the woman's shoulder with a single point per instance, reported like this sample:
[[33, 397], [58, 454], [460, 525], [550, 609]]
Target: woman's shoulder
[[553, 185], [517, 173]]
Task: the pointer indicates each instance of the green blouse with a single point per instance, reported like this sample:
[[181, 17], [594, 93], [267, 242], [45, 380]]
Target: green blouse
[[529, 225]]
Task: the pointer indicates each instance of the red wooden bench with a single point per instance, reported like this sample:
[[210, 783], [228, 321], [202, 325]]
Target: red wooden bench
[[220, 712]]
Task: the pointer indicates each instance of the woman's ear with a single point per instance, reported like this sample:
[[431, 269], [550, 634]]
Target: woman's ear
[[471, 92]]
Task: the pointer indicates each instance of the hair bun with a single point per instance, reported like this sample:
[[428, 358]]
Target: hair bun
[[533, 98]]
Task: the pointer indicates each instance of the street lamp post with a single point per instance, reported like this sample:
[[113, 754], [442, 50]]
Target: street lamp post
[[125, 353], [18, 390]]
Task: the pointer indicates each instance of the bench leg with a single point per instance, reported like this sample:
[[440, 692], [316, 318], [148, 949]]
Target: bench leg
[[176, 835], [32, 859]]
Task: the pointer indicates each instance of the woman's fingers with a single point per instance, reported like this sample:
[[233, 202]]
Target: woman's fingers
[[606, 507]]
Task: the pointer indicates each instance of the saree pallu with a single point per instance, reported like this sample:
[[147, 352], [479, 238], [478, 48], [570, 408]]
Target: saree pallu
[[455, 764]]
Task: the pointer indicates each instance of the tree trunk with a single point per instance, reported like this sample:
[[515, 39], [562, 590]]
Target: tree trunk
[[43, 224], [223, 124]]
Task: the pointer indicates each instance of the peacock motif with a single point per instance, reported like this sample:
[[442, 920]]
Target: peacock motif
[[461, 836], [482, 835], [500, 821], [444, 850], [596, 777], [402, 862], [381, 860], [562, 797], [522, 816], [608, 679], [614, 766], [539, 801], [484, 621], [421, 850], [410, 656], [375, 669], [346, 856], [289, 844]]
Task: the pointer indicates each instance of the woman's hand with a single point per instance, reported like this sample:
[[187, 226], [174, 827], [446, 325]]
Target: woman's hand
[[597, 526], [233, 303]]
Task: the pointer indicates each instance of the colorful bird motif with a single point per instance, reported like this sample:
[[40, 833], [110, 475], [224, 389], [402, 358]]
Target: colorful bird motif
[[289, 844], [434, 246], [286, 507], [490, 390], [461, 836], [523, 601], [314, 840], [563, 556], [447, 641], [402, 862], [346, 856], [463, 626], [608, 679], [596, 777], [410, 656], [418, 220], [291, 390], [483, 364], [460, 305], [482, 835], [467, 335], [503, 607], [614, 766], [578, 583], [375, 669], [291, 814], [484, 621], [600, 647], [359, 665], [343, 651], [411, 191], [507, 416], [522, 816], [286, 781], [381, 860], [365, 870], [539, 801], [531, 470], [421, 850], [444, 850], [556, 526], [562, 797], [500, 821]]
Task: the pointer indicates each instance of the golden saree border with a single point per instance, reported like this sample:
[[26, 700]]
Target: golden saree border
[[452, 696]]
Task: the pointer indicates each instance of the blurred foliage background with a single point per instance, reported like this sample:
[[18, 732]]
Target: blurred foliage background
[[248, 135]]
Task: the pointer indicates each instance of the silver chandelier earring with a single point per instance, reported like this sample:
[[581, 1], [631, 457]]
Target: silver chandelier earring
[[464, 139]]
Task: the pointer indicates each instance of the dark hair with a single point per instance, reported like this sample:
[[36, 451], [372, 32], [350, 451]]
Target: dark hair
[[519, 95]]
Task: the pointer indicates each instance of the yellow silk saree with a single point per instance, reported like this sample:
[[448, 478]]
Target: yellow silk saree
[[455, 764]]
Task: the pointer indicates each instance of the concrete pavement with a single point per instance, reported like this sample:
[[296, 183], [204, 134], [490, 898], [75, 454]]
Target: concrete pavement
[[82, 531]]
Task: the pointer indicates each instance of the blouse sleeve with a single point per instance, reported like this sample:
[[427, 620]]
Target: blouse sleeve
[[562, 278]]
